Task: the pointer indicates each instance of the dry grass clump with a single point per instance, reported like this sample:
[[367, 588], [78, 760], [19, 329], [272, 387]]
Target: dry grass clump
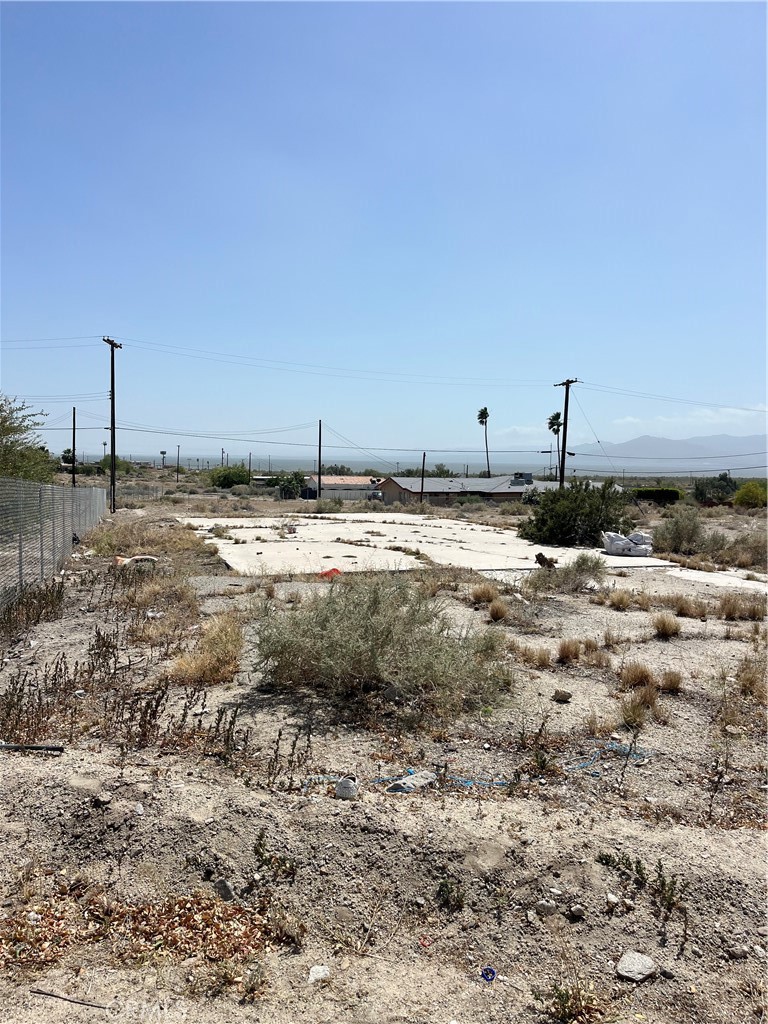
[[620, 600], [366, 637], [611, 639], [734, 607], [498, 609], [671, 681], [751, 676], [666, 626], [142, 538], [216, 658], [634, 674], [636, 706], [538, 657], [597, 658], [484, 593], [684, 606], [643, 600], [568, 651]]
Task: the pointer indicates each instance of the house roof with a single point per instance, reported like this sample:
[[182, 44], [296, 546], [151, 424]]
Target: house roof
[[461, 485], [343, 481]]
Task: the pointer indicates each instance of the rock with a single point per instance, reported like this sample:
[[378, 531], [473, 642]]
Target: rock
[[763, 930], [103, 798], [576, 911], [696, 951], [759, 951], [666, 973], [732, 730], [556, 892], [629, 904], [737, 952], [224, 890], [635, 966], [319, 973], [612, 900], [138, 809], [346, 788], [561, 696], [545, 907]]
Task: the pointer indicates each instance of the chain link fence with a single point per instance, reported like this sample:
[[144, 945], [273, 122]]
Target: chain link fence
[[37, 525]]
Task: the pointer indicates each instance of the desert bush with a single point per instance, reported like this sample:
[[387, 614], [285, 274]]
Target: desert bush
[[366, 636], [329, 505], [643, 600], [658, 495], [666, 626], [576, 515], [751, 607], [620, 600], [585, 569], [216, 658], [484, 593], [751, 675], [682, 533], [634, 674], [752, 494], [568, 650], [539, 657], [39, 603], [498, 609]]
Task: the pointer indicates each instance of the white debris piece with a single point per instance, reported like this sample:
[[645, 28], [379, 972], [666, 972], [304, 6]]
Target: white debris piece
[[638, 544]]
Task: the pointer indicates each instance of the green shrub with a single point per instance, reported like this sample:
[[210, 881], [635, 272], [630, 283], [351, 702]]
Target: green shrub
[[329, 505], [577, 515], [752, 494], [681, 534], [373, 636], [586, 569], [229, 476]]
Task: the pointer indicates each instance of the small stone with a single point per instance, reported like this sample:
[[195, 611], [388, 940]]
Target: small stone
[[556, 892], [612, 900], [737, 952], [696, 951], [576, 911], [103, 798], [635, 966], [319, 973], [561, 696], [138, 810], [732, 730], [763, 930], [666, 973], [224, 890], [530, 916], [545, 907], [759, 951], [629, 904]]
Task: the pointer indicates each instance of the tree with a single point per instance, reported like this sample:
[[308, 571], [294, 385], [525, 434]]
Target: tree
[[22, 456], [291, 484], [554, 426], [338, 470], [67, 457], [229, 476], [752, 494], [482, 419]]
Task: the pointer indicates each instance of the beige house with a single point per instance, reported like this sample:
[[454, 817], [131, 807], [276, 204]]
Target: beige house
[[446, 490]]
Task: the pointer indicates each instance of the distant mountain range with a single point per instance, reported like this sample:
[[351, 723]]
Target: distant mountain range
[[723, 451]]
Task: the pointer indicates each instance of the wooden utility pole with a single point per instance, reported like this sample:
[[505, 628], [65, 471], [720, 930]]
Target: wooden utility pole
[[423, 467], [113, 456], [320, 458], [74, 457], [567, 385]]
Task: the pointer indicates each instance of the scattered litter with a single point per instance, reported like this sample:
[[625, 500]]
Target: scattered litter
[[79, 693], [151, 614], [488, 974], [346, 788], [412, 781], [125, 563], [425, 941], [51, 748], [640, 757], [69, 999], [639, 544], [330, 574]]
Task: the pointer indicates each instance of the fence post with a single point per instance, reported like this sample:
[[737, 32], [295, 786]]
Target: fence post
[[40, 524]]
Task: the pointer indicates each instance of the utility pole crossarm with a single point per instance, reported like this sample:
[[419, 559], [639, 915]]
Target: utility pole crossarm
[[567, 385]]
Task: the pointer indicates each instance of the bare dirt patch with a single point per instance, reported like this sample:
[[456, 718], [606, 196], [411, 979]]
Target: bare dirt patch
[[186, 859]]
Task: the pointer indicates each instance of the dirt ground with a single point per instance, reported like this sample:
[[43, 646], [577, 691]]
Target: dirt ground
[[552, 841]]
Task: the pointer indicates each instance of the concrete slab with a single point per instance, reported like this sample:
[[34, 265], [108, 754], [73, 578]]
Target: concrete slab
[[720, 579], [354, 542]]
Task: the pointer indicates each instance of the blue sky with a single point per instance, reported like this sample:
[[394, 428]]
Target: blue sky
[[385, 216]]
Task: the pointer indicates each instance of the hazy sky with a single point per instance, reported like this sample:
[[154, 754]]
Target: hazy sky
[[385, 216]]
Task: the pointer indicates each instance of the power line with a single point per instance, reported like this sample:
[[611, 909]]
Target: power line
[[588, 386]]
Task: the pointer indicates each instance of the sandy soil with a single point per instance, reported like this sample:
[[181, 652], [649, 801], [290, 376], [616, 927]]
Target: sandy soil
[[406, 898]]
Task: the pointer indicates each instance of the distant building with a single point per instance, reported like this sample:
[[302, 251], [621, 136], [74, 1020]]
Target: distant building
[[348, 488], [445, 490]]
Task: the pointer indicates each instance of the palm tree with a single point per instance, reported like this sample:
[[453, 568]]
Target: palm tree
[[482, 419], [555, 425]]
